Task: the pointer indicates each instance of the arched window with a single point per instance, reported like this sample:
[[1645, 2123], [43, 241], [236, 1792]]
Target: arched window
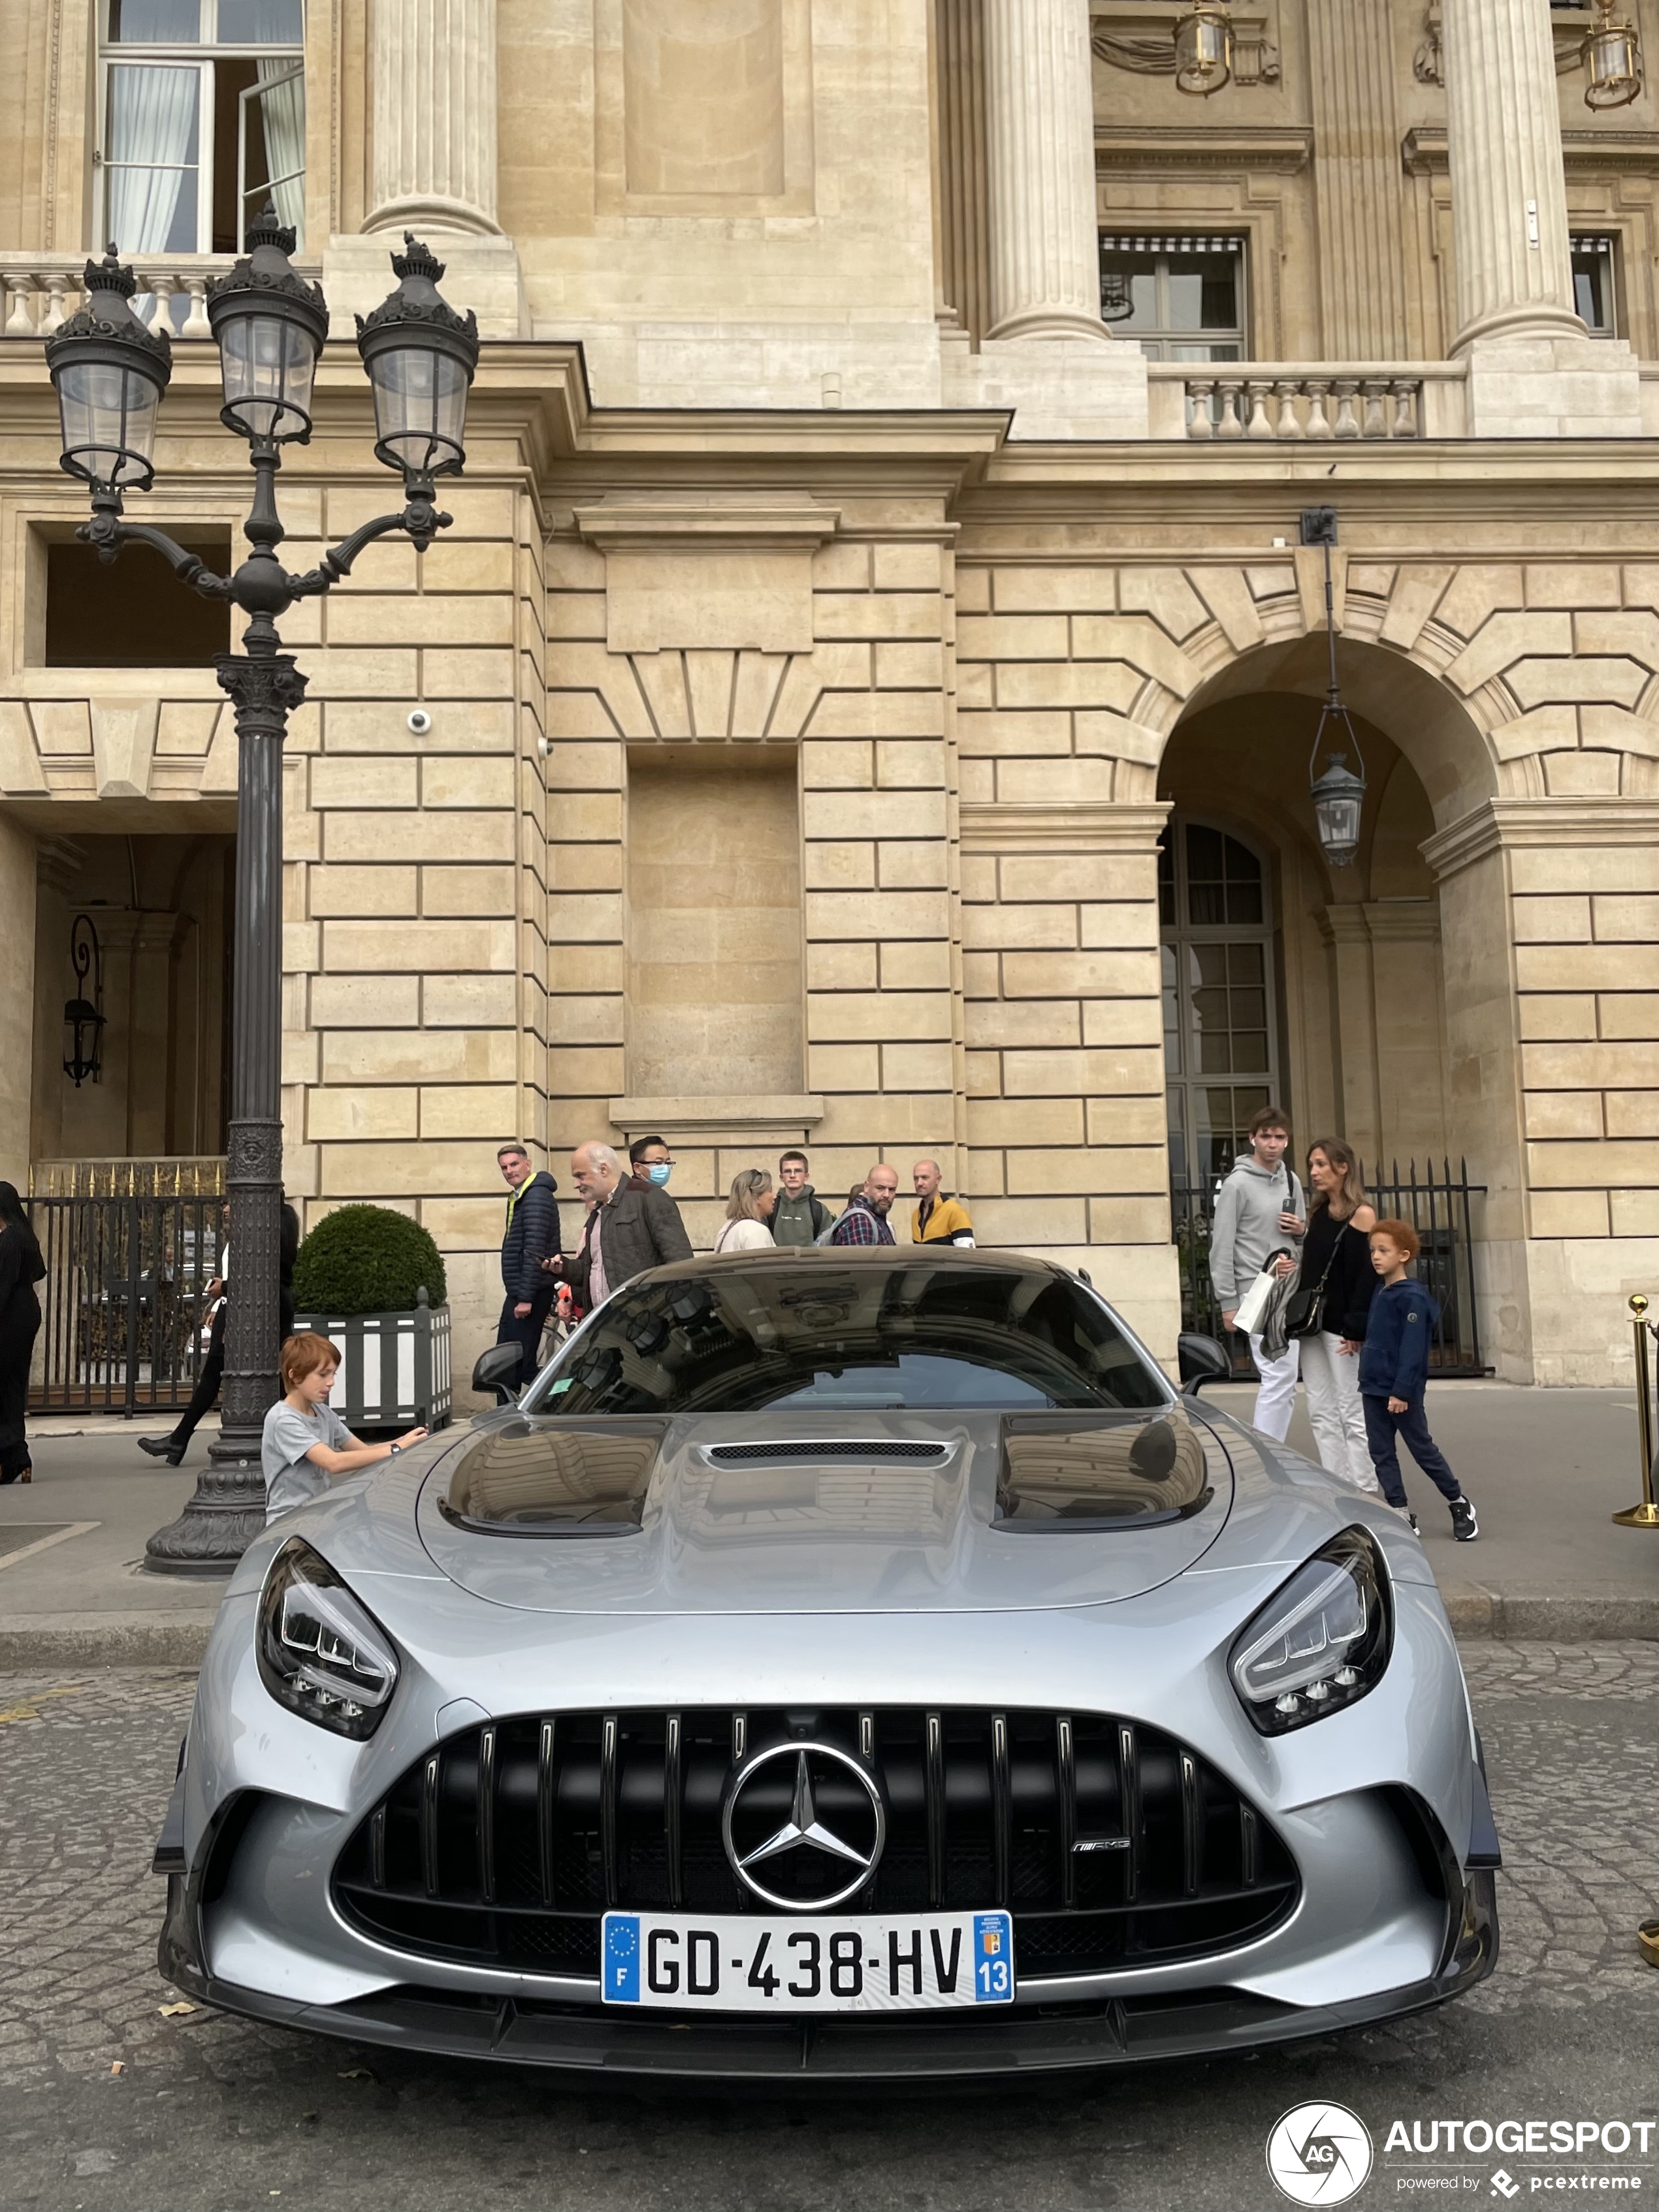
[[1220, 1024]]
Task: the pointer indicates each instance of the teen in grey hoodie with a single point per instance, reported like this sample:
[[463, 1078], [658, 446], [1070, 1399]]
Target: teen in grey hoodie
[[1259, 1203]]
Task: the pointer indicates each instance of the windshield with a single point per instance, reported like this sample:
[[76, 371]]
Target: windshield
[[814, 1334]]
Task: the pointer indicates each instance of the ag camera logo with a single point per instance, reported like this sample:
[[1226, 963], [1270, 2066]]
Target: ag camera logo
[[1319, 2155]]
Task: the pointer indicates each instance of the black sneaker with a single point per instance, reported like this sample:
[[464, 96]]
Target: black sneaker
[[1465, 1527]]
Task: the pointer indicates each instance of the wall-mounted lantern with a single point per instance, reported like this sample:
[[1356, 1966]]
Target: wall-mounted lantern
[[83, 1017], [1612, 59], [1204, 49]]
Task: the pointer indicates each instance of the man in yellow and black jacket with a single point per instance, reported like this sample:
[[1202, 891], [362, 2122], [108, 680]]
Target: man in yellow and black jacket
[[938, 1218]]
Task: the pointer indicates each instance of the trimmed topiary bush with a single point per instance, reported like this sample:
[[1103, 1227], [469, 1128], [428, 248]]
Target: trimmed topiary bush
[[366, 1259]]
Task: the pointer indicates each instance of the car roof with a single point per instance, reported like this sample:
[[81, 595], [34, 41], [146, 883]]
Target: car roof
[[953, 1257]]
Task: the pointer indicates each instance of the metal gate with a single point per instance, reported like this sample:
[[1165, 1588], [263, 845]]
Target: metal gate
[[124, 1307], [1440, 1207]]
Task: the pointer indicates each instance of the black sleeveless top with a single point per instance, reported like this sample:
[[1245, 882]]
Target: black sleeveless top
[[1352, 1283]]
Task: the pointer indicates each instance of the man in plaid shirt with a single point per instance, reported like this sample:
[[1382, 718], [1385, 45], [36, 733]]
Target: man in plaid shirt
[[865, 1221]]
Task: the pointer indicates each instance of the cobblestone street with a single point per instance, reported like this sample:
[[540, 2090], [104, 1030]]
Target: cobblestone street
[[104, 2101]]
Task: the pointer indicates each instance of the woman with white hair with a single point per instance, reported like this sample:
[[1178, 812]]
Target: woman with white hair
[[747, 1213]]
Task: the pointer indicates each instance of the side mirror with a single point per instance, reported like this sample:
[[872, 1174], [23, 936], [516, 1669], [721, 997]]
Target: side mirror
[[1201, 1360], [498, 1369]]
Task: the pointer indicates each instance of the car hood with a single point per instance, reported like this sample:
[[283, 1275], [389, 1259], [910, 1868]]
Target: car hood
[[849, 1512]]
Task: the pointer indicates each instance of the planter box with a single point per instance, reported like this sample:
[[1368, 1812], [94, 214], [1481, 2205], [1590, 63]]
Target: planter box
[[394, 1367]]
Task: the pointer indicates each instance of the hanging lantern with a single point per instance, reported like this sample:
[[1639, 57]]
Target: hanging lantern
[[1339, 795], [1204, 49], [1116, 298], [1339, 800], [83, 1017], [1611, 60]]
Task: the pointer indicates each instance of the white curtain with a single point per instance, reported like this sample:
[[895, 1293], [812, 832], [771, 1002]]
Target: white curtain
[[283, 108], [152, 132]]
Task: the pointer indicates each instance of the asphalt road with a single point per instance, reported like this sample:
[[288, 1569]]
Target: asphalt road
[[103, 2102]]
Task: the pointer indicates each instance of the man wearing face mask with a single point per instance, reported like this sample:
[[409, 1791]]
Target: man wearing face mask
[[650, 1163]]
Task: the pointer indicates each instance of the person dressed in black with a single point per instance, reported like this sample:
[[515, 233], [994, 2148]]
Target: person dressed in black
[[172, 1448], [1336, 1253], [20, 1269], [531, 1237]]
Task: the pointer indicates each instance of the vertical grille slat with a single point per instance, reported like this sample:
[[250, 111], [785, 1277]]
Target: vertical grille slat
[[546, 1806], [934, 1758], [1192, 1818], [1111, 1844], [608, 1779], [486, 1814], [670, 1809], [1065, 1806], [1002, 1810], [1128, 1796], [430, 1777]]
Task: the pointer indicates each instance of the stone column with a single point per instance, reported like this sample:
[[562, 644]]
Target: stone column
[[1045, 255], [435, 117], [1508, 184]]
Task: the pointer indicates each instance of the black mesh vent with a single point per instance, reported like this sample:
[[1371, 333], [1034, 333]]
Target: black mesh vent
[[1111, 1843], [872, 1448]]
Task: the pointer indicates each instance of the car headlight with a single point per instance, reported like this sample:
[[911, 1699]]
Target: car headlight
[[321, 1653], [1320, 1642]]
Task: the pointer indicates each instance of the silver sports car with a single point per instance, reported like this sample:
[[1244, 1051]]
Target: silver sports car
[[841, 1665]]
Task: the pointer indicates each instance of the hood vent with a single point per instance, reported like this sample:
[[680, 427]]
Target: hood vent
[[818, 1449]]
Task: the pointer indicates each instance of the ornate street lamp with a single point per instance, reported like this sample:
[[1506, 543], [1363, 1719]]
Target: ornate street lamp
[[110, 372], [1204, 49], [1612, 59], [83, 1017], [1339, 795]]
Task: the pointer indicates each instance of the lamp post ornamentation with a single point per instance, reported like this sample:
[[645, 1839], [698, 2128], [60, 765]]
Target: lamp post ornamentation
[[110, 371]]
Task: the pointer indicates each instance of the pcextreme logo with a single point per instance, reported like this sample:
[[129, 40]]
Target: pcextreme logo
[[1319, 2154]]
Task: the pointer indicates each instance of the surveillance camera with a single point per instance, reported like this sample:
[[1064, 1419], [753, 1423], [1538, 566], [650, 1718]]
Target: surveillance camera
[[420, 722]]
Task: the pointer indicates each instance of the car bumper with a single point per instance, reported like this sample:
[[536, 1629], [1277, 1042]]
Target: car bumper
[[1037, 2039]]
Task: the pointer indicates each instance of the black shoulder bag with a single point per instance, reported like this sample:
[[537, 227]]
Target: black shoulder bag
[[1304, 1310]]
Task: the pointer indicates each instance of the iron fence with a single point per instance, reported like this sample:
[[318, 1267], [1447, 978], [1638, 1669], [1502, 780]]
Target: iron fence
[[1440, 1206], [124, 1309]]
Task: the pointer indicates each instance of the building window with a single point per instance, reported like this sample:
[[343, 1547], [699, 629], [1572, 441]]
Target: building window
[[1219, 1024], [131, 613], [1180, 299], [202, 119], [1594, 295]]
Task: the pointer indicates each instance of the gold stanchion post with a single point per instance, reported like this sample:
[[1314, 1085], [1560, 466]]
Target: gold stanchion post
[[1646, 1515]]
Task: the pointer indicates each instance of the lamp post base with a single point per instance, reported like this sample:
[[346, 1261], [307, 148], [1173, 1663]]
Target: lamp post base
[[221, 1521], [1644, 1516]]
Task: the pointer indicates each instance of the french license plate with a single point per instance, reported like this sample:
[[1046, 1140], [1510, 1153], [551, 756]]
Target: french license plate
[[793, 1964]]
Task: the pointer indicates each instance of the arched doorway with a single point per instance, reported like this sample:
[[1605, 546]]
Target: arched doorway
[[1347, 993]]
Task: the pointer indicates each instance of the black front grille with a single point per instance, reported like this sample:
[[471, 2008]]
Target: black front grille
[[1113, 1845]]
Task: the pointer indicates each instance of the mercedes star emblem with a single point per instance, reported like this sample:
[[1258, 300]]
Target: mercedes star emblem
[[822, 1866]]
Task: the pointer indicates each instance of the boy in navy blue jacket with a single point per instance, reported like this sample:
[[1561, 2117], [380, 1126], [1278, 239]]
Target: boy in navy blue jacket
[[1393, 1375]]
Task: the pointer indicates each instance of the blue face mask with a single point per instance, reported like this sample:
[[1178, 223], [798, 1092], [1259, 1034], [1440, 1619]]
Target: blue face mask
[[659, 1171]]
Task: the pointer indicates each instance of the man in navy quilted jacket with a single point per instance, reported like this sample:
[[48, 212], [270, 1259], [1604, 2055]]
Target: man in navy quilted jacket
[[532, 1236], [1394, 1377]]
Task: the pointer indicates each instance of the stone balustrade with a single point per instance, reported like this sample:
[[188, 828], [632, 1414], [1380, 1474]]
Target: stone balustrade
[[1293, 403], [38, 291]]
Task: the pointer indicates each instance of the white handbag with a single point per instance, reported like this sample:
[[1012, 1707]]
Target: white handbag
[[1254, 1303]]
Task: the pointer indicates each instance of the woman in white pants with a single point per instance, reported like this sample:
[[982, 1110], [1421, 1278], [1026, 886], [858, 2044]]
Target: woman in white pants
[[1337, 1251]]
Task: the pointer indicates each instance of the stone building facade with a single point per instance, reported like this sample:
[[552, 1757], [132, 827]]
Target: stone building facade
[[870, 695]]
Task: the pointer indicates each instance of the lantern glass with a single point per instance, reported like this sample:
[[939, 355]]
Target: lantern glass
[[1204, 51], [420, 408], [108, 414], [1613, 66], [1339, 800], [267, 362]]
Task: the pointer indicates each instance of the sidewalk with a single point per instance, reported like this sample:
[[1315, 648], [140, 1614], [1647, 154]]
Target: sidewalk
[[1546, 1469]]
